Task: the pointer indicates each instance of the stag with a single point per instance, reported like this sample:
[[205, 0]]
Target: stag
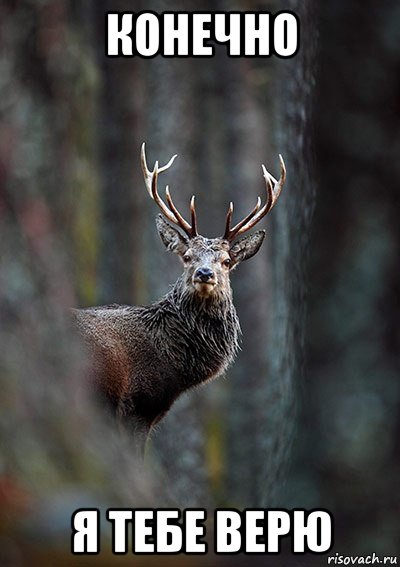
[[144, 357]]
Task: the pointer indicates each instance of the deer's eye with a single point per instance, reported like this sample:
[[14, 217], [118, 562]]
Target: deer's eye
[[187, 258], [227, 262]]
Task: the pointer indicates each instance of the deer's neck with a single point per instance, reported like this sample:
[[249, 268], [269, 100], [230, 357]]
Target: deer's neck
[[202, 333], [192, 304]]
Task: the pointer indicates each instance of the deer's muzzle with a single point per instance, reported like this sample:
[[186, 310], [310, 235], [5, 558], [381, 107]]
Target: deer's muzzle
[[204, 275]]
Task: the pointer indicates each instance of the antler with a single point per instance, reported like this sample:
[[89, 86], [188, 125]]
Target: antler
[[171, 213], [257, 213]]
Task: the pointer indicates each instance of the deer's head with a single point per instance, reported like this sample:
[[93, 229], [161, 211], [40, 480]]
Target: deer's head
[[208, 261]]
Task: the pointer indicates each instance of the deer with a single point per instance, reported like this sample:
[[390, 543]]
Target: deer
[[144, 357]]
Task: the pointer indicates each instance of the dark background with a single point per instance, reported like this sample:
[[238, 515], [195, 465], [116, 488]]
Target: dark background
[[308, 416]]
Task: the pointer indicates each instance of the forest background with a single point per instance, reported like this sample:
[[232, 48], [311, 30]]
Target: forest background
[[309, 415]]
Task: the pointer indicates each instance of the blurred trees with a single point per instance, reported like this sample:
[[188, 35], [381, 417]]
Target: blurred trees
[[352, 407], [77, 227], [57, 451]]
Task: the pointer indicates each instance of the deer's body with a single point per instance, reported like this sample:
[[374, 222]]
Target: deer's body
[[143, 358]]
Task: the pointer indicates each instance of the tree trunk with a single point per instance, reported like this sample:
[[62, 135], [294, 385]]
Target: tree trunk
[[290, 248]]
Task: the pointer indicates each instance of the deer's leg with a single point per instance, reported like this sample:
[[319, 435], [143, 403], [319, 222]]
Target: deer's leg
[[137, 429]]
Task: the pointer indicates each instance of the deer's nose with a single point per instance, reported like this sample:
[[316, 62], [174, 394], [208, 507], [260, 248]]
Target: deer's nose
[[204, 274]]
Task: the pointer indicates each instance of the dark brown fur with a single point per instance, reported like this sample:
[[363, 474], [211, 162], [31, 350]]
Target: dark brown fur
[[145, 357]]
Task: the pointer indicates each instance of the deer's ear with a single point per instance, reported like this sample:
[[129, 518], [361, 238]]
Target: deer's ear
[[173, 240], [247, 246]]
